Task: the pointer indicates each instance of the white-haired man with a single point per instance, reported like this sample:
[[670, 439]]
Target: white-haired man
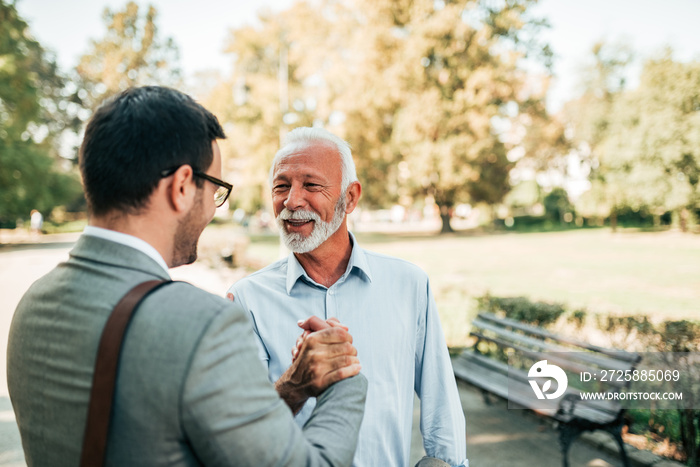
[[385, 301]]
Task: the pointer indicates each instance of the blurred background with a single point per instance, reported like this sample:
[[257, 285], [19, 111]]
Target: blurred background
[[540, 159]]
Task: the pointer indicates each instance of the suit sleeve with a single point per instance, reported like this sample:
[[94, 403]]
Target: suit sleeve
[[239, 298], [442, 419], [232, 415]]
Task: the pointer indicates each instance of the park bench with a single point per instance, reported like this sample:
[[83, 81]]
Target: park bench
[[499, 340]]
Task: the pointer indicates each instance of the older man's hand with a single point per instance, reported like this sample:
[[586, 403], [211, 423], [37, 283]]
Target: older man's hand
[[310, 325], [325, 356]]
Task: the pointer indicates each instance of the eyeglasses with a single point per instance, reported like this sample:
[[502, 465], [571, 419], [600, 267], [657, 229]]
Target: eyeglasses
[[223, 189]]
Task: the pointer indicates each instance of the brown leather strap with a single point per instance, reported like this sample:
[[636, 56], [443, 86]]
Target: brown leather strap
[[105, 376]]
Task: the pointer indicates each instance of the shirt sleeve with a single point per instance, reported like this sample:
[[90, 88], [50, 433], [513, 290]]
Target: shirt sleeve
[[442, 419], [232, 415]]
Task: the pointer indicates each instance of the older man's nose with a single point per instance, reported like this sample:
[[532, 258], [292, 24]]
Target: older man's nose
[[295, 199]]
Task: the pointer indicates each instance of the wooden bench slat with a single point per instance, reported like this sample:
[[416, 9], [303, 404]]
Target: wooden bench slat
[[562, 362], [605, 362], [522, 394], [493, 376], [631, 357]]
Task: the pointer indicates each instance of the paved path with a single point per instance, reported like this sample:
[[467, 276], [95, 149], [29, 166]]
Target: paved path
[[496, 436]]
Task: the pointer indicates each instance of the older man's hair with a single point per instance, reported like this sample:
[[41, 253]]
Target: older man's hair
[[306, 136]]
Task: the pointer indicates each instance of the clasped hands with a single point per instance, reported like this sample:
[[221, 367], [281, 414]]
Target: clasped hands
[[323, 355]]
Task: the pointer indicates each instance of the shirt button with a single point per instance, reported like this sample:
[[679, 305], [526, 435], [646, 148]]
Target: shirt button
[[331, 292]]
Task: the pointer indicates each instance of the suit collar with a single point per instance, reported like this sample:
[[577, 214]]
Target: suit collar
[[128, 240], [104, 251]]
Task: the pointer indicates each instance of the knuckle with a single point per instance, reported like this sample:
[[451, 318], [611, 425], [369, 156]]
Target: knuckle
[[312, 339]]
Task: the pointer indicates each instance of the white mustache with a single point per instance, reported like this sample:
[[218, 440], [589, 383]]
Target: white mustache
[[286, 215]]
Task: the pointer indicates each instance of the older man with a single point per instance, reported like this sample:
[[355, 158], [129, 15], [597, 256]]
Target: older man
[[386, 302], [190, 390]]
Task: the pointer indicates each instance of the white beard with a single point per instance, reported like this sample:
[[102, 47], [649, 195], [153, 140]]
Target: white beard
[[321, 232]]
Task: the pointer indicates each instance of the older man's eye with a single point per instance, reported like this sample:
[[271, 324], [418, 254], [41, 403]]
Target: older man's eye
[[278, 188]]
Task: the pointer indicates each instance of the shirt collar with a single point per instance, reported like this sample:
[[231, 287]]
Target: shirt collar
[[358, 260], [128, 240]]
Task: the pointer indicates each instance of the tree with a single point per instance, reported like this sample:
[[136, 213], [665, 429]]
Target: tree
[[417, 88], [130, 54], [589, 118], [652, 151], [642, 142], [32, 96], [369, 95], [276, 84], [463, 79]]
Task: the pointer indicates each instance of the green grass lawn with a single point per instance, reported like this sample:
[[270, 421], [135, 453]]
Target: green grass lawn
[[628, 272]]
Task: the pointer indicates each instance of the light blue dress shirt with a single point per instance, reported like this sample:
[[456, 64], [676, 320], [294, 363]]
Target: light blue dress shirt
[[388, 306]]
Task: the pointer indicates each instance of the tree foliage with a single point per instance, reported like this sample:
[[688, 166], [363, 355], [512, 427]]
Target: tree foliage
[[643, 142], [417, 88], [33, 103], [267, 93], [653, 146], [462, 78], [130, 54]]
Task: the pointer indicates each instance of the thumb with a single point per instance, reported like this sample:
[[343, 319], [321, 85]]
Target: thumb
[[313, 323]]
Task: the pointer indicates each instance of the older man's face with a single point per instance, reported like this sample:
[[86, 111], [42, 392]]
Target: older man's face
[[308, 184]]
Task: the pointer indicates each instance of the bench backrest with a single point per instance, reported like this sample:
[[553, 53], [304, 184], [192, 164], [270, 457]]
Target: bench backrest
[[531, 343]]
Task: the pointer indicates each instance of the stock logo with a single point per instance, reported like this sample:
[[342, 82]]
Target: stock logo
[[542, 370]]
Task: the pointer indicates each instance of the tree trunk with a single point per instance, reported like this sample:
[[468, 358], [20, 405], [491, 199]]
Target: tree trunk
[[683, 220], [445, 216], [690, 421], [613, 220]]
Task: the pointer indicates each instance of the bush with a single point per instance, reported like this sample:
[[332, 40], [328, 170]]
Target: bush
[[557, 204], [522, 309], [638, 333]]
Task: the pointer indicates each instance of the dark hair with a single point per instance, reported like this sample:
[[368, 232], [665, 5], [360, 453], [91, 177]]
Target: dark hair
[[133, 137]]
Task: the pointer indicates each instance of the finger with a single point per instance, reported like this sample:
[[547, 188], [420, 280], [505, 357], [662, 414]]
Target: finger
[[341, 373], [319, 355], [336, 324], [229, 296], [331, 365], [313, 323], [318, 373], [328, 336]]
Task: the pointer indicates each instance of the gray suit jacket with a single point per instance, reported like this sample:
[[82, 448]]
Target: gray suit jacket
[[190, 389]]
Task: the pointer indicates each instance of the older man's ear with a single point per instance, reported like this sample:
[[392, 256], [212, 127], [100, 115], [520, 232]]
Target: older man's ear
[[352, 196]]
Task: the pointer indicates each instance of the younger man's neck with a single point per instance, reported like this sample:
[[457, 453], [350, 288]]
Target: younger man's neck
[[142, 226]]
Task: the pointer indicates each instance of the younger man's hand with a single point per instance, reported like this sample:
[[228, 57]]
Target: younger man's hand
[[325, 356]]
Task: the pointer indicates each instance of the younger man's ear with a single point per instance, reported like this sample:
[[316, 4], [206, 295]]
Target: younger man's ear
[[182, 190]]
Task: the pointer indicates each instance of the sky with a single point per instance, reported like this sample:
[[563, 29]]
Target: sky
[[200, 29]]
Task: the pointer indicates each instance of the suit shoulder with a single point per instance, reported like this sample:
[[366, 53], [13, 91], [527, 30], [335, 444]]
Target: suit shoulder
[[186, 299]]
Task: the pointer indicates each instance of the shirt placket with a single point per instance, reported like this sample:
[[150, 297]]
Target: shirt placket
[[331, 301], [332, 297]]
